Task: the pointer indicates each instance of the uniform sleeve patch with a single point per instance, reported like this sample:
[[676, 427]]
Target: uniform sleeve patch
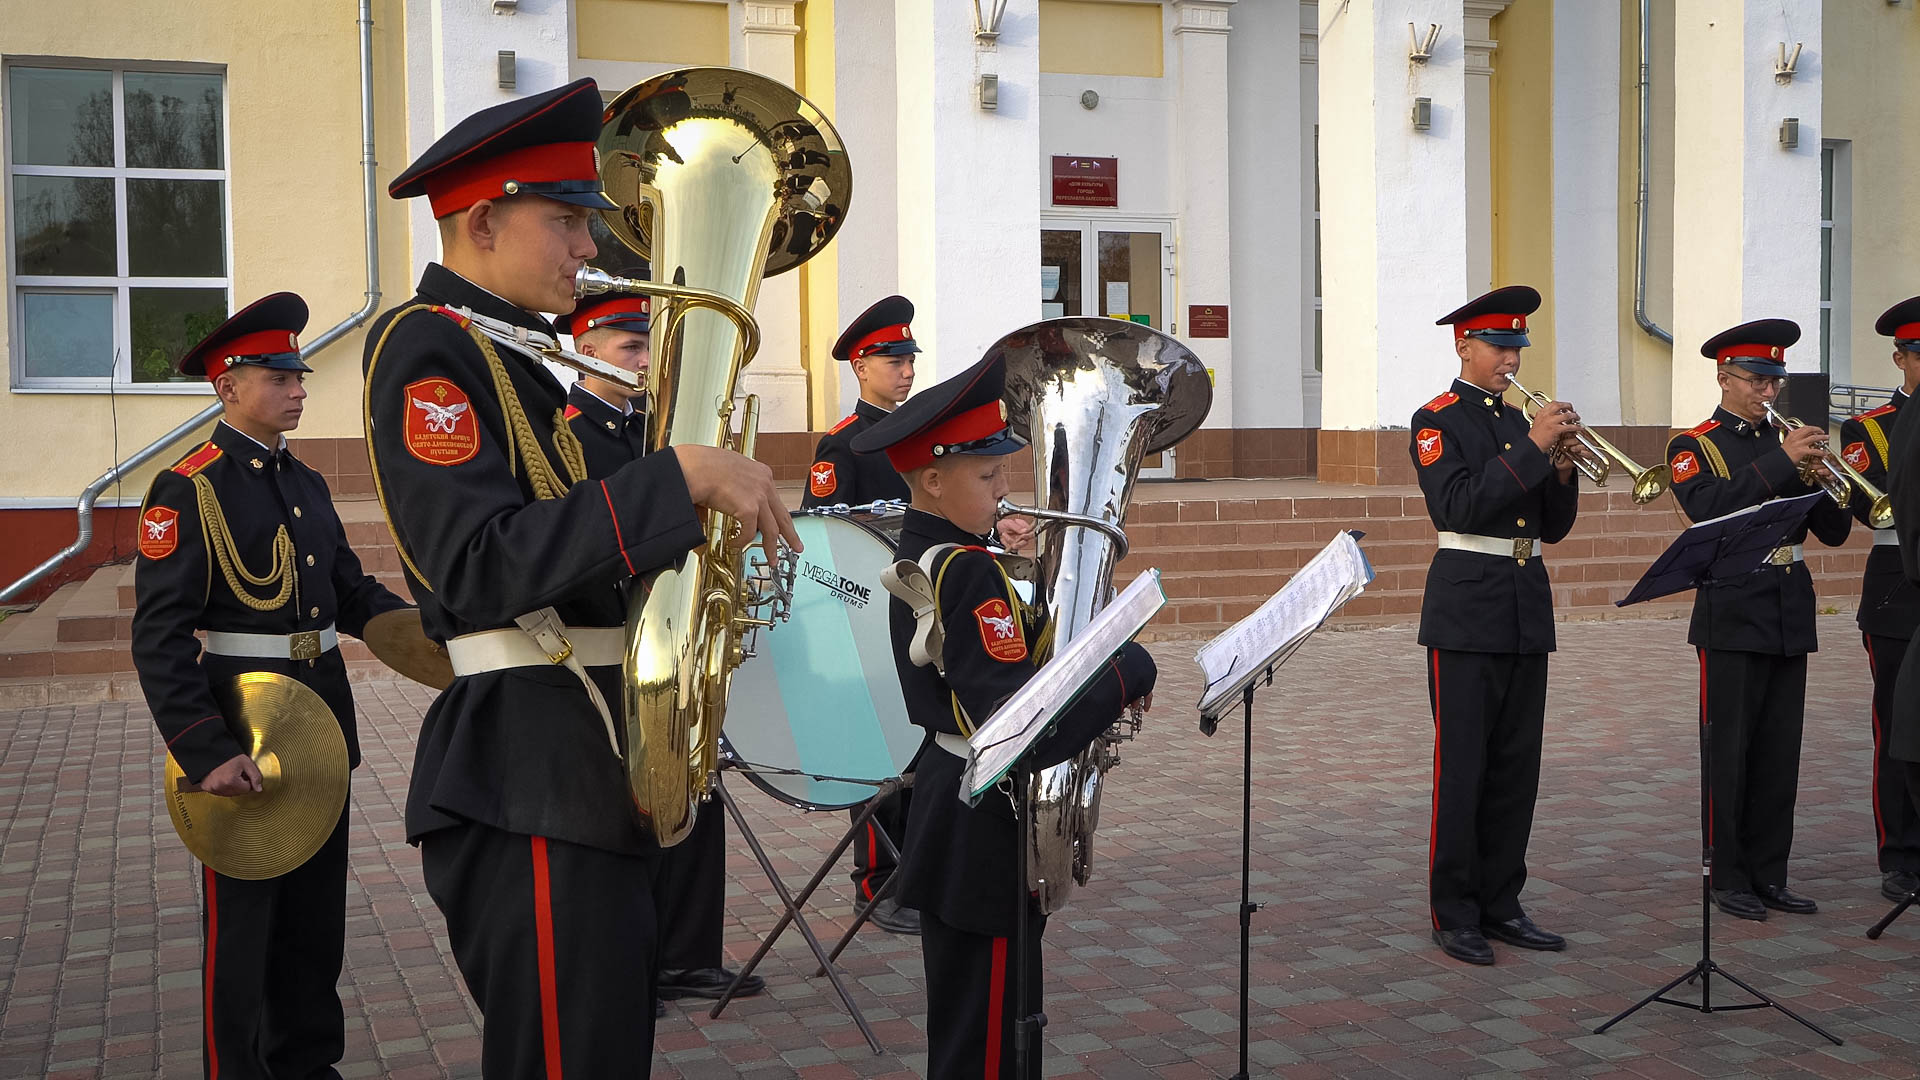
[[837, 428], [1856, 455], [1441, 402], [822, 480], [1696, 432], [1685, 466], [1428, 443], [440, 427], [198, 460], [159, 532], [1000, 632]]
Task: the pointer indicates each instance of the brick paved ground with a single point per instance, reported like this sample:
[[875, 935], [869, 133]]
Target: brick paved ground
[[99, 927]]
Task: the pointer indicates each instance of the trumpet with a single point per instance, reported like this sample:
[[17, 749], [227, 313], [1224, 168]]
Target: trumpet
[[1837, 478], [1597, 456]]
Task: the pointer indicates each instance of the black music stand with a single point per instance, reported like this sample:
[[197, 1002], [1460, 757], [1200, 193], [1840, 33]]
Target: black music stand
[[1711, 552], [1899, 909]]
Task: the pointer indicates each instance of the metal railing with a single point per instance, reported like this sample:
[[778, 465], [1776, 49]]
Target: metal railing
[[1846, 399]]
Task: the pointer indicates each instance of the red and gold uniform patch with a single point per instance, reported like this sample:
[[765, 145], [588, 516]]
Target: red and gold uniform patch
[[1881, 411], [1856, 454], [837, 428], [1696, 432], [1000, 631], [440, 426], [821, 479], [159, 532], [1428, 443], [198, 460], [1441, 402], [1685, 466]]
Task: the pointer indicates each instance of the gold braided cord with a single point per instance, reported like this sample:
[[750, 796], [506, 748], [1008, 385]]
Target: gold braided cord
[[366, 414], [1718, 463], [567, 445], [540, 474], [1879, 438], [213, 525]]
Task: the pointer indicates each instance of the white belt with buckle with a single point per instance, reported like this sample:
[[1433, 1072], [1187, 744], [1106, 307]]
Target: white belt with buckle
[[1786, 556], [1519, 548], [1886, 538], [511, 647], [305, 645], [953, 744]]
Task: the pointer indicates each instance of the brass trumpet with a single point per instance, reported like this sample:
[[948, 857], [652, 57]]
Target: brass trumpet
[[1837, 478], [1598, 456]]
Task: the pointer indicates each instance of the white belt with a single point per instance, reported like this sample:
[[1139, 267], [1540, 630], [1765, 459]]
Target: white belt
[[511, 647], [1519, 549], [953, 744], [305, 645], [1886, 538], [1786, 556]]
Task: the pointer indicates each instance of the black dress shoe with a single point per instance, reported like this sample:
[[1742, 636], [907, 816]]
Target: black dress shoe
[[1899, 884], [706, 983], [1740, 904], [888, 915], [659, 1008], [1523, 933], [1781, 898], [1466, 944]]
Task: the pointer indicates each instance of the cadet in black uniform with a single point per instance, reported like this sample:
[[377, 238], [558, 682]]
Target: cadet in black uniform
[[879, 346], [240, 539], [690, 893], [1889, 612], [1901, 322], [1497, 487], [1753, 634], [531, 842], [960, 867]]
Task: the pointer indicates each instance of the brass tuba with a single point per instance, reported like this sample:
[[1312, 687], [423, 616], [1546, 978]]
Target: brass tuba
[[723, 177], [1094, 397]]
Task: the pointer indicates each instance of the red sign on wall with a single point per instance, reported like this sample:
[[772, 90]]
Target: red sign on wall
[[1086, 181], [1206, 320]]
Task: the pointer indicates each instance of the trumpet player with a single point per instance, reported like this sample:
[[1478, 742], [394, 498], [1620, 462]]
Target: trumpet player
[[1497, 487], [1752, 634], [1889, 609]]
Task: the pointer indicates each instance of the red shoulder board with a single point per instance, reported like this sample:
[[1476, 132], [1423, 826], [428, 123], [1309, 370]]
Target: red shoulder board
[[1702, 429], [572, 411], [1441, 402], [836, 429], [1881, 411], [198, 460], [452, 314]]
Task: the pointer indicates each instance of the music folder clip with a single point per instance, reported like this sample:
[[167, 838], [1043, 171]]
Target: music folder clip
[[1721, 548]]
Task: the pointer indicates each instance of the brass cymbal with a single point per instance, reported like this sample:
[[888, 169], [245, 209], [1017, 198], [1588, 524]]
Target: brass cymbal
[[302, 754], [397, 640]]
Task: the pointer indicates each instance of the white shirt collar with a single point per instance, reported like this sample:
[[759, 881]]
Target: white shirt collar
[[254, 441], [625, 407]]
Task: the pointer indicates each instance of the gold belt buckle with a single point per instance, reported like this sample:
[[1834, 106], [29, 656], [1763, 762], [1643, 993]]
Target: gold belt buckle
[[1522, 549], [566, 651], [304, 645], [1781, 556]]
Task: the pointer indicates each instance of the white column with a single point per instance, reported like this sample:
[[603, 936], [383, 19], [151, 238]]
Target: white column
[[767, 32], [1586, 206], [969, 219], [865, 113], [1204, 254], [1480, 47], [1746, 241], [1393, 208]]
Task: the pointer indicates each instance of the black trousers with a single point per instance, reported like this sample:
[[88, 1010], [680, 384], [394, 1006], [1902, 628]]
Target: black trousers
[[1756, 703], [1896, 824], [271, 969], [971, 1000], [556, 944], [872, 864], [691, 894], [1488, 713]]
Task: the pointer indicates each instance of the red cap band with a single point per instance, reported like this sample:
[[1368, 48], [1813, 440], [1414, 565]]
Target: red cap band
[[1516, 323], [1753, 351], [258, 343], [976, 423], [592, 315], [886, 335], [455, 188], [1910, 330]]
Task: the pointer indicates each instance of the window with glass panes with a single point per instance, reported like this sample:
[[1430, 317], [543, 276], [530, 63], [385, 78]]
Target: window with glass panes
[[117, 220]]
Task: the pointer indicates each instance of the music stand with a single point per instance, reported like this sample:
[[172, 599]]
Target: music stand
[[1709, 553]]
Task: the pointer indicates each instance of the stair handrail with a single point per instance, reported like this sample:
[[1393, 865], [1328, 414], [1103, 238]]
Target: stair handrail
[[83, 508]]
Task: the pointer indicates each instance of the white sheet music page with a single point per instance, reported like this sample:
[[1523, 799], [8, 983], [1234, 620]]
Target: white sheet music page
[[1336, 575], [1027, 715]]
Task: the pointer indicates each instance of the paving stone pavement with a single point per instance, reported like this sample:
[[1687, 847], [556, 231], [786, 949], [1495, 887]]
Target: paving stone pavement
[[99, 932]]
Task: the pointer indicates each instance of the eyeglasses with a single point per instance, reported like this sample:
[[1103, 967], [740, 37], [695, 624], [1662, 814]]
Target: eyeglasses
[[1761, 382]]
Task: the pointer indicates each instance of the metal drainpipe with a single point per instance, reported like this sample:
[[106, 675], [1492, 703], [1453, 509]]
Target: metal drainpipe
[[1646, 149], [84, 508]]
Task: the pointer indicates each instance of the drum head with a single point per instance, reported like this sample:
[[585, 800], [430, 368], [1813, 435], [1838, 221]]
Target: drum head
[[822, 697]]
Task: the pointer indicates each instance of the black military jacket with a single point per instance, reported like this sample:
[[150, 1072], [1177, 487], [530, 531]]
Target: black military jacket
[[1903, 486], [1728, 464], [609, 437], [180, 586], [841, 476], [1889, 606], [522, 749], [959, 861], [1482, 475]]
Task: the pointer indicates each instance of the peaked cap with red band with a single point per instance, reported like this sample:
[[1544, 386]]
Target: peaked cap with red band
[[1497, 318], [265, 334], [620, 311], [1759, 346], [881, 329], [538, 145], [963, 415], [1901, 322]]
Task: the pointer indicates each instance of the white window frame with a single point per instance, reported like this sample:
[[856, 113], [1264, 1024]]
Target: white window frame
[[18, 284], [1836, 238]]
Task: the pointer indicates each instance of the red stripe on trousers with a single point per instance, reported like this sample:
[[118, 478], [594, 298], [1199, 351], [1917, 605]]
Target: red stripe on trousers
[[213, 936], [1433, 824], [1709, 764], [873, 856], [543, 935], [1879, 823], [996, 1003]]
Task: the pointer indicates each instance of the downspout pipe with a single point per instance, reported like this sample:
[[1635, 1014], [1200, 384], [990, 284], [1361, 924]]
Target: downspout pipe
[[1643, 210], [84, 507]]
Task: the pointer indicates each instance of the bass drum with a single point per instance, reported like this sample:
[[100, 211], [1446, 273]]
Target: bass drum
[[819, 708]]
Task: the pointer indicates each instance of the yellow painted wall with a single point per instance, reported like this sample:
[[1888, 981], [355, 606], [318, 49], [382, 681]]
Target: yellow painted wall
[[667, 31], [1521, 118], [1100, 37], [820, 275], [1646, 380], [294, 191], [1869, 100]]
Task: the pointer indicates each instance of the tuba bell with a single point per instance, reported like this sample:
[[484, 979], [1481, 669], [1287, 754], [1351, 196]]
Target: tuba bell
[[723, 177], [1093, 396]]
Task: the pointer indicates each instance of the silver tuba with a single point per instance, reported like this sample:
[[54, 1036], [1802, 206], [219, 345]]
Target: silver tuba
[[1094, 397]]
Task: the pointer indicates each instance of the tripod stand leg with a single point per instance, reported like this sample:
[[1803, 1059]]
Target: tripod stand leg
[[1801, 1020], [1658, 995], [1880, 927]]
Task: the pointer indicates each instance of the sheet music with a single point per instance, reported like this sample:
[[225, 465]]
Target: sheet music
[[1337, 574], [1027, 715]]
